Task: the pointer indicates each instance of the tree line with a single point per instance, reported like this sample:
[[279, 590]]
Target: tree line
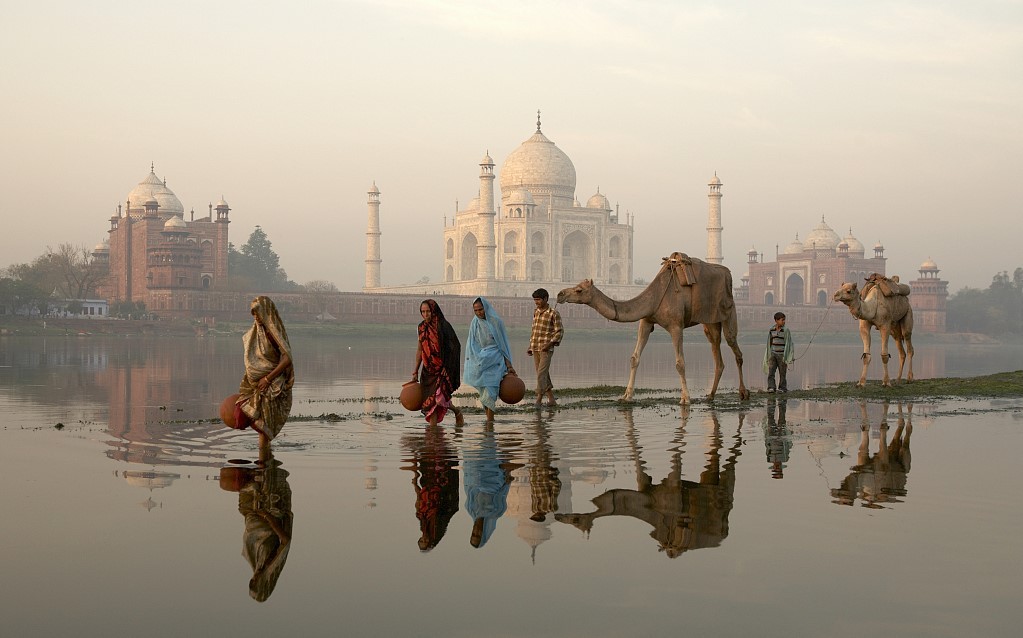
[[66, 274], [997, 310]]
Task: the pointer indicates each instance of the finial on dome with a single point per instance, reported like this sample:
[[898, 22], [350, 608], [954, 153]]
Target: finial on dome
[[538, 120], [152, 167]]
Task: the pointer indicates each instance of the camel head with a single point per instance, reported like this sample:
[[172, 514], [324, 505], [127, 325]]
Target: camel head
[[580, 293], [847, 293]]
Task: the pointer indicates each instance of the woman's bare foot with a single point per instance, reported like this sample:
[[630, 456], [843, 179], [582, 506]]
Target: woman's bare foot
[[459, 419], [490, 413]]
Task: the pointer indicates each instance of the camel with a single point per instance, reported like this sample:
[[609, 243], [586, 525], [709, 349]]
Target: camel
[[879, 479], [684, 293], [684, 515], [889, 314]]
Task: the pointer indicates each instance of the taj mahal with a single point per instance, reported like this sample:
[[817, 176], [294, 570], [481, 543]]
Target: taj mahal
[[539, 234]]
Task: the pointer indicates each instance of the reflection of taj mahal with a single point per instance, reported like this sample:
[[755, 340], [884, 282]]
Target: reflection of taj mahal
[[538, 235]]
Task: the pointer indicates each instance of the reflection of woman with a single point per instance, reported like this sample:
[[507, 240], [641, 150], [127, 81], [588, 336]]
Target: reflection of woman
[[264, 499], [439, 354], [487, 354], [264, 400], [487, 482], [435, 480]]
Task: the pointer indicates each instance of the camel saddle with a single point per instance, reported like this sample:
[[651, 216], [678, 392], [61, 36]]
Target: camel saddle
[[889, 286], [682, 265]]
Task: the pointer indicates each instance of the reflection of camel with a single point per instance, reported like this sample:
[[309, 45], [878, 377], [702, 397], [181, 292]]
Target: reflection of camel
[[264, 499], [889, 314], [684, 514], [880, 478], [434, 467], [684, 293]]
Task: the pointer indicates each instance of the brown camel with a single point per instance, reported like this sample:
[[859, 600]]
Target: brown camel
[[889, 314], [684, 293]]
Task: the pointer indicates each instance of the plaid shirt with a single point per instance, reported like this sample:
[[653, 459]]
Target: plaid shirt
[[547, 330]]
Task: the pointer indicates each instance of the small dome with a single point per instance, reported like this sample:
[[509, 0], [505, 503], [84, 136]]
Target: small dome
[[175, 223], [822, 237], [714, 181], [878, 245], [795, 247], [474, 204], [928, 265], [373, 190], [519, 196], [151, 202], [487, 160], [598, 201], [102, 247], [855, 245], [221, 203], [843, 245], [752, 251]]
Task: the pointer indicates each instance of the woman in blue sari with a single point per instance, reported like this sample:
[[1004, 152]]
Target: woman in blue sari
[[488, 355]]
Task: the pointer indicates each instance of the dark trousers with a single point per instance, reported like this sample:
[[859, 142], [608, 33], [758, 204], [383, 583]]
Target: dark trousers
[[777, 362]]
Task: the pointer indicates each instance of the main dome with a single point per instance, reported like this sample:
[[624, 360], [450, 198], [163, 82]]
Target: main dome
[[822, 236], [152, 187], [542, 168]]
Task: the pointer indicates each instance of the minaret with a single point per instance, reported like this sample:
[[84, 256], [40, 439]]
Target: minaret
[[487, 248], [373, 238], [714, 221]]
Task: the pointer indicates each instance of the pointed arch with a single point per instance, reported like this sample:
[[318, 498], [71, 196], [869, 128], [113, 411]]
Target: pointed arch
[[469, 256]]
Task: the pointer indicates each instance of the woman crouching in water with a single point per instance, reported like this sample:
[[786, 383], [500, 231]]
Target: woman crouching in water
[[264, 400], [439, 354]]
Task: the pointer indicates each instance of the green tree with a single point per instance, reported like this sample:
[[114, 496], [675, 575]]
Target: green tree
[[995, 311], [256, 266]]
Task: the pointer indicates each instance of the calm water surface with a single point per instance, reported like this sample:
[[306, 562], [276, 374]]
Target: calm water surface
[[143, 516]]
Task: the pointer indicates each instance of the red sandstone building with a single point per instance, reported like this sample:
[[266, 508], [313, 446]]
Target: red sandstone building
[[156, 257]]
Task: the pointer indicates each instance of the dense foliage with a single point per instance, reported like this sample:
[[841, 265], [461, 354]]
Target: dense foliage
[[998, 310], [66, 272]]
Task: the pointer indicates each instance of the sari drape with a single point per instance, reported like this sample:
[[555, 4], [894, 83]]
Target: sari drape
[[265, 343], [441, 356], [485, 354]]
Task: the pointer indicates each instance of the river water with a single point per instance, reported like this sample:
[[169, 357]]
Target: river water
[[130, 511]]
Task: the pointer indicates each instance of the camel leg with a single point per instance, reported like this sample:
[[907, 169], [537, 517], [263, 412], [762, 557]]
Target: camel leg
[[645, 328], [908, 333], [865, 338], [731, 330], [884, 330], [680, 362], [713, 333], [902, 356]]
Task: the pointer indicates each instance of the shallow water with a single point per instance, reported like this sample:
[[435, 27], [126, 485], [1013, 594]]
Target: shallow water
[[785, 518]]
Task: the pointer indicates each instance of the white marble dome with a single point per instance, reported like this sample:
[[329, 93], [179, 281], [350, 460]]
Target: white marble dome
[[794, 248], [541, 167], [152, 187], [598, 201], [102, 247], [822, 237], [928, 265]]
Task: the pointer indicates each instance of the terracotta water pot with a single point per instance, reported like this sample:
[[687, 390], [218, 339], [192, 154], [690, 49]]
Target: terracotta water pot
[[411, 397], [227, 413], [512, 389]]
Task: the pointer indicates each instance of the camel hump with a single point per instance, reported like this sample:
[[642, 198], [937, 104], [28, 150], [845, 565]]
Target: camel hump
[[684, 266], [889, 285]]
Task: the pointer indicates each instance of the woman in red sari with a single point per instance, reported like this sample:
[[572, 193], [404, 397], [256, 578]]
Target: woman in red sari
[[439, 354]]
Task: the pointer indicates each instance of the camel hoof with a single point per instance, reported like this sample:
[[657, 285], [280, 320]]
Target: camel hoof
[[744, 394], [626, 398]]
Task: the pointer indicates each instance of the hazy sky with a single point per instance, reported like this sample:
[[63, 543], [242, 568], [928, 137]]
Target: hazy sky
[[902, 120]]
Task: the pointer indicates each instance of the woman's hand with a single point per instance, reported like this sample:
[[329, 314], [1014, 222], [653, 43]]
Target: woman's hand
[[263, 383]]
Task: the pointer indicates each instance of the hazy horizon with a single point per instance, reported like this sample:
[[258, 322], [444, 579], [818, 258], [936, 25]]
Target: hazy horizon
[[897, 119]]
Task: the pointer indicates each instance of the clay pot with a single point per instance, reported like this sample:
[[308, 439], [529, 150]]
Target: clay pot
[[512, 389], [411, 397], [227, 413], [233, 479]]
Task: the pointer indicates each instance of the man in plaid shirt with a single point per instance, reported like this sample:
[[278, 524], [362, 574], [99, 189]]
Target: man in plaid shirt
[[546, 334]]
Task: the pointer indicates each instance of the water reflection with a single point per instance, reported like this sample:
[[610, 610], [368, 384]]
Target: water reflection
[[684, 514], [264, 500], [488, 475], [777, 437], [880, 478], [434, 466]]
